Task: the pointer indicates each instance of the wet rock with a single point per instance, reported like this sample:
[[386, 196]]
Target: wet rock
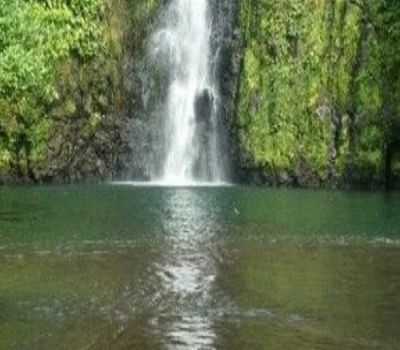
[[203, 106]]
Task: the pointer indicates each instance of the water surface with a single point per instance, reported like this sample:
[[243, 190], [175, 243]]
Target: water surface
[[125, 267]]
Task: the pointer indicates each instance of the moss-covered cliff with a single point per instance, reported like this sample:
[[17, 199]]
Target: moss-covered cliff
[[315, 100], [320, 91], [64, 103]]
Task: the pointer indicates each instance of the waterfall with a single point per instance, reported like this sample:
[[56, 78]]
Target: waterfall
[[190, 150]]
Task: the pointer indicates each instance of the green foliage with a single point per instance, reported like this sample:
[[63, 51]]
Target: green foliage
[[312, 86], [280, 85], [35, 36], [53, 54]]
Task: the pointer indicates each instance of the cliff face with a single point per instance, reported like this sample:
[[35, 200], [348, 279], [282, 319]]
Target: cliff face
[[310, 90], [93, 142], [71, 122], [227, 49], [151, 82], [319, 92]]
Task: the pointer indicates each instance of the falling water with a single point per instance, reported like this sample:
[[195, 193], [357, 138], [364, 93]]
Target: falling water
[[191, 145]]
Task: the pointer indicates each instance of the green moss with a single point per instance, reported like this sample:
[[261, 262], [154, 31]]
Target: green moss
[[60, 62], [311, 86]]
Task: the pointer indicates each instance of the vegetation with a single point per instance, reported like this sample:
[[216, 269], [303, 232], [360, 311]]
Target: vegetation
[[59, 62], [35, 37], [319, 96]]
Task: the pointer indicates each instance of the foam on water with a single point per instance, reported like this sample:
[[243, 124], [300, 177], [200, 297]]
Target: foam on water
[[173, 184]]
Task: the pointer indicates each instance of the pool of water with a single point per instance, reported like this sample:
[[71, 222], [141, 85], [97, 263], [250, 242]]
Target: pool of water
[[127, 267]]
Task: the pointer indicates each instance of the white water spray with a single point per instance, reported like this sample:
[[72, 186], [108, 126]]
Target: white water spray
[[191, 150]]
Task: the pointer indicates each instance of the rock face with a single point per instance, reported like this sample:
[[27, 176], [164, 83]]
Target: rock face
[[95, 125], [203, 106], [287, 115], [151, 76], [87, 129], [108, 123], [203, 109], [227, 49], [306, 113]]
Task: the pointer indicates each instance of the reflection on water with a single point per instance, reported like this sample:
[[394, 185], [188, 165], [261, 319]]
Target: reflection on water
[[188, 270], [119, 267]]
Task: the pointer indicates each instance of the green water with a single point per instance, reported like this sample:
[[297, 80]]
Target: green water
[[121, 267]]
